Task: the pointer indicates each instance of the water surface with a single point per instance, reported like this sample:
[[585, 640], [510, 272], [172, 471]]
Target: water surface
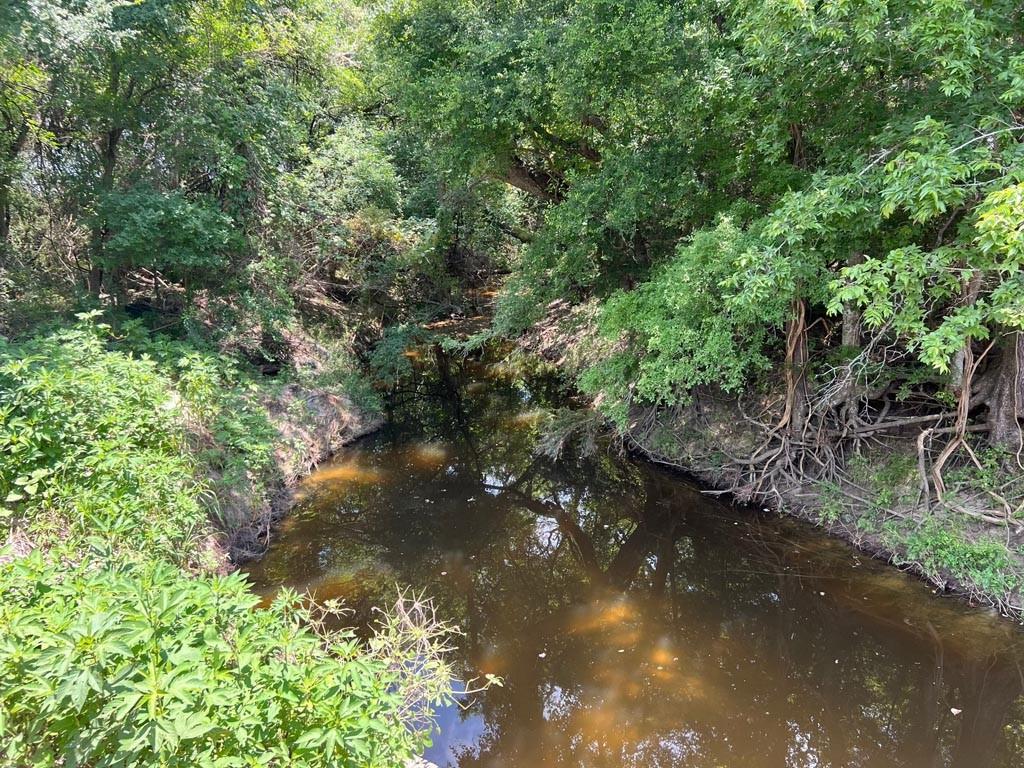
[[635, 620]]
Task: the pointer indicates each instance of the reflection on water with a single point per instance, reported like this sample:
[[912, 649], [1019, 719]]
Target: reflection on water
[[637, 622]]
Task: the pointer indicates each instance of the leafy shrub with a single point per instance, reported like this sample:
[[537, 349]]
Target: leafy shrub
[[109, 653], [138, 665], [138, 437], [167, 231], [686, 328], [90, 445]]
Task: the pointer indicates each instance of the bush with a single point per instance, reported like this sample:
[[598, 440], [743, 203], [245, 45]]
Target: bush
[[684, 327], [229, 431], [109, 653], [91, 446], [138, 665], [166, 231]]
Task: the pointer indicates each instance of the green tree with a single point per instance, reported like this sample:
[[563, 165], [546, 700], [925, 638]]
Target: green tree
[[869, 151]]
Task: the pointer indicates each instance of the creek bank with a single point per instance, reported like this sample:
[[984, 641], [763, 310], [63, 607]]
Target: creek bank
[[311, 424], [879, 515], [958, 545]]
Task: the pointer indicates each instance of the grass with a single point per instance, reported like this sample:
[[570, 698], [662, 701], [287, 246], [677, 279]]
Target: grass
[[942, 545]]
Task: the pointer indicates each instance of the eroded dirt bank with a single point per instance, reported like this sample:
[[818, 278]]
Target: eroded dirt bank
[[311, 425]]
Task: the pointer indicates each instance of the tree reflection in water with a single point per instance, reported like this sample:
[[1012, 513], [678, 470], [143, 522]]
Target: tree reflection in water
[[635, 621]]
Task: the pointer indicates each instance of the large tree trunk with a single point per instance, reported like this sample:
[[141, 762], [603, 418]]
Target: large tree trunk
[[1006, 400]]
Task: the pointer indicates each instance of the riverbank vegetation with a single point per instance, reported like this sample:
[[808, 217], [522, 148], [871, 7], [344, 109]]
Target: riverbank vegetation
[[202, 230], [776, 244], [798, 228]]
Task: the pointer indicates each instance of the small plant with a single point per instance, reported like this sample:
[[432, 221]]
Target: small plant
[[896, 471], [940, 546], [868, 521], [831, 507], [992, 469]]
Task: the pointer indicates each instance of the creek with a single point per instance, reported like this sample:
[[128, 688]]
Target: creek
[[634, 620]]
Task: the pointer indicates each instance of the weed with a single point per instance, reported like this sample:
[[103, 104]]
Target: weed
[[110, 654], [940, 546], [831, 504], [136, 664], [90, 442]]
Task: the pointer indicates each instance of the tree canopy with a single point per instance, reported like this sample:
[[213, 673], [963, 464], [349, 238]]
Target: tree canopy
[[716, 173]]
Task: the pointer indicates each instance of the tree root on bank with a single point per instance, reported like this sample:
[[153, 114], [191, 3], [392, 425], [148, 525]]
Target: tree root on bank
[[791, 474], [777, 463]]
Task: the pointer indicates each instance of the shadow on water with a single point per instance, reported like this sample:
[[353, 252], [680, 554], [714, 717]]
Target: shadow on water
[[637, 622]]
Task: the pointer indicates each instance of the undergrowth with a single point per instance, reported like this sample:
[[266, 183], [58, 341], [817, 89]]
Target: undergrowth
[[90, 445], [118, 643], [941, 546], [218, 402], [139, 437], [136, 664]]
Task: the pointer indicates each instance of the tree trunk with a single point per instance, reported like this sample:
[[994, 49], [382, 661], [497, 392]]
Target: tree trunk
[[797, 150], [5, 209], [534, 182], [851, 315], [797, 392], [98, 278], [1006, 400], [6, 180]]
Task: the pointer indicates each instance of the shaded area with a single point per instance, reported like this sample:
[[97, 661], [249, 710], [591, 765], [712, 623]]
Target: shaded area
[[635, 621]]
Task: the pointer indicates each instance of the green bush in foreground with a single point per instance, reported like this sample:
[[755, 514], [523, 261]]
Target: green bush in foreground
[[139, 665], [110, 654]]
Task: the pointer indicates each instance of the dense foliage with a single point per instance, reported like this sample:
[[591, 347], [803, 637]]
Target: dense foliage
[[126, 435], [118, 648], [720, 170], [92, 450], [139, 665], [221, 163], [210, 182], [813, 211]]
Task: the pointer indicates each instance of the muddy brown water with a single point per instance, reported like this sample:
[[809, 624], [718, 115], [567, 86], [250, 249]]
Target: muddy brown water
[[636, 621]]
